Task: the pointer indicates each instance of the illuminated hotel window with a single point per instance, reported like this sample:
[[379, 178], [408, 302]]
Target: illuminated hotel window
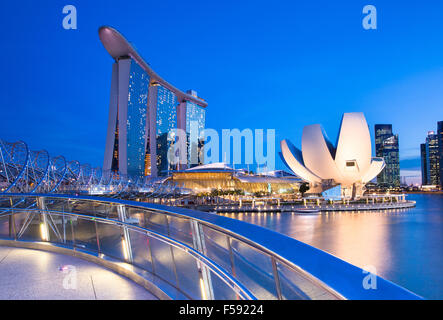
[[166, 121], [195, 113], [136, 119]]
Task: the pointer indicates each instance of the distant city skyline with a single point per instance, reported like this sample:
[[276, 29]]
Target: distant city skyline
[[432, 157], [281, 66]]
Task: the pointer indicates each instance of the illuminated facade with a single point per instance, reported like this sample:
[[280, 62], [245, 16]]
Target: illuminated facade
[[166, 122], [144, 113], [324, 165], [424, 164], [386, 147], [218, 176], [440, 148], [195, 124], [431, 160]]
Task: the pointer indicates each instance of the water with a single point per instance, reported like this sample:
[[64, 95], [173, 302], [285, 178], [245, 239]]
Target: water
[[405, 246]]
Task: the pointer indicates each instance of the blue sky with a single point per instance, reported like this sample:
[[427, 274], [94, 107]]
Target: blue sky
[[259, 64]]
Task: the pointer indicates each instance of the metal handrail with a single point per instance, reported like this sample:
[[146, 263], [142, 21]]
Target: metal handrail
[[229, 280], [334, 275]]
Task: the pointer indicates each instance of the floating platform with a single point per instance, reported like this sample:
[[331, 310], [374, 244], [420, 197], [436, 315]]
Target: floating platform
[[310, 209]]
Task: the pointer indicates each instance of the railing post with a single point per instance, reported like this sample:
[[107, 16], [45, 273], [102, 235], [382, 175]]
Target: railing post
[[276, 279], [121, 209], [44, 226], [199, 244], [12, 230], [231, 255]]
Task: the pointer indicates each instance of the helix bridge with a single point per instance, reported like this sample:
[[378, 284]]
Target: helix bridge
[[23, 170]]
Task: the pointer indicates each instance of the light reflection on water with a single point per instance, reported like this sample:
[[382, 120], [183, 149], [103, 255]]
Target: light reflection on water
[[405, 246]]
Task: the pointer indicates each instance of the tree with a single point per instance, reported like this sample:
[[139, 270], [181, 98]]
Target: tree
[[303, 188]]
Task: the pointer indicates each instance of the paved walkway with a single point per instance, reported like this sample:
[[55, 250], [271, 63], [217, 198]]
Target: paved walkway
[[34, 274]]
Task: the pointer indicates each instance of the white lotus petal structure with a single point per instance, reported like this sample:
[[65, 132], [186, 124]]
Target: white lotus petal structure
[[324, 165]]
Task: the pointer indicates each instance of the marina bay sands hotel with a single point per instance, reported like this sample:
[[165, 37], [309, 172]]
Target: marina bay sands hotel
[[143, 109]]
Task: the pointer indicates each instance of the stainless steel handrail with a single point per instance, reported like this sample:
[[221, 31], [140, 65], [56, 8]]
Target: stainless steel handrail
[[229, 280]]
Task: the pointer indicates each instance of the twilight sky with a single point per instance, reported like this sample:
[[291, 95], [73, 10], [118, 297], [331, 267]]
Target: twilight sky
[[259, 64]]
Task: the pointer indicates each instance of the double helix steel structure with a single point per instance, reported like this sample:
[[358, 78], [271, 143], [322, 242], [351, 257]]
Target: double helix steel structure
[[26, 171]]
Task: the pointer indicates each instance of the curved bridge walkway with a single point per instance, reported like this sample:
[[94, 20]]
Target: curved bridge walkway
[[177, 253], [34, 274]]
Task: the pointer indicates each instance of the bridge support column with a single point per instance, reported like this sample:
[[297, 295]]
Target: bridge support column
[[199, 244], [121, 209]]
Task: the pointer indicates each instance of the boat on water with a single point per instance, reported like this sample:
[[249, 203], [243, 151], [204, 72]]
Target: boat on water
[[307, 210]]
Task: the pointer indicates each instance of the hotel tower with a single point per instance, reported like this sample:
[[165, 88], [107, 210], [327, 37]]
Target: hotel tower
[[144, 113]]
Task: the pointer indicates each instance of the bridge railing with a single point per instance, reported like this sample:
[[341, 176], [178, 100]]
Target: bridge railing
[[201, 255]]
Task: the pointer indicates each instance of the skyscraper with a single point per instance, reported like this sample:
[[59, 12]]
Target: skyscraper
[[144, 113], [424, 164], [432, 159], [387, 147], [195, 124], [440, 148]]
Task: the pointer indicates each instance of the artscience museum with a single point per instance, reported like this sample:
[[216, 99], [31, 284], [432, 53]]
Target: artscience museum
[[347, 166]]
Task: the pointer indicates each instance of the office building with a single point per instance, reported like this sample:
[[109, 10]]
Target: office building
[[440, 148], [424, 165], [432, 159], [387, 147]]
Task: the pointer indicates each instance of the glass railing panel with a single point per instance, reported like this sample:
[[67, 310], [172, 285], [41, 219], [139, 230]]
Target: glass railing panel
[[56, 204], [18, 202], [59, 228], [28, 226], [111, 240], [4, 227], [155, 221], [11, 201], [5, 202], [75, 206], [112, 211], [85, 234], [23, 202], [141, 254], [296, 286], [180, 229], [136, 216], [253, 269], [81, 206], [216, 244], [163, 260], [221, 290], [187, 273], [103, 209]]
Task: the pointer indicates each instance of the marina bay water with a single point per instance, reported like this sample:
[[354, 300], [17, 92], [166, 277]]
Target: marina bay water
[[405, 246]]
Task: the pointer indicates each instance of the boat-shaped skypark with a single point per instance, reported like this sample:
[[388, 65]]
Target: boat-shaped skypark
[[143, 109]]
